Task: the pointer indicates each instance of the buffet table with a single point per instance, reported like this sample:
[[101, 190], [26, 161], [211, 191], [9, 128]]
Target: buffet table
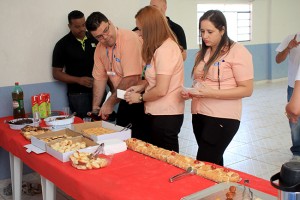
[[130, 175]]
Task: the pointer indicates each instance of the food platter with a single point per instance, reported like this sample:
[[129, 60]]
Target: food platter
[[18, 124], [60, 120], [219, 191]]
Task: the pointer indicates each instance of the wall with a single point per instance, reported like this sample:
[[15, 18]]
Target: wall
[[31, 28]]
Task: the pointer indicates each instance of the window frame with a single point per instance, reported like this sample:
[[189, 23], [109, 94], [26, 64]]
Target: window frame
[[227, 8]]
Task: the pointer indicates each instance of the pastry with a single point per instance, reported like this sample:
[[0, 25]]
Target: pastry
[[28, 131], [97, 131], [208, 171], [67, 145], [84, 161]]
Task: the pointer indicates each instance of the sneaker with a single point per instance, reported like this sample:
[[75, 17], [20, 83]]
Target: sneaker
[[295, 158]]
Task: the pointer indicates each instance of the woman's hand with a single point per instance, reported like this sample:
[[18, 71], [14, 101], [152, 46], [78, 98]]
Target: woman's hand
[[201, 91], [136, 89], [132, 97], [185, 95]]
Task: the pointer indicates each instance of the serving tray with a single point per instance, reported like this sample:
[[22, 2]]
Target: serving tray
[[219, 191]]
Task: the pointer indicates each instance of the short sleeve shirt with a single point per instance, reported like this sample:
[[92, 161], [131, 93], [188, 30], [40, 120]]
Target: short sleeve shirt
[[293, 59], [167, 60], [69, 54], [122, 60], [233, 67]]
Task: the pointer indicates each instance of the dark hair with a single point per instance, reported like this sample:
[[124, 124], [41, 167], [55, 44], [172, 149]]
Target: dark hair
[[75, 14], [218, 19], [94, 20]]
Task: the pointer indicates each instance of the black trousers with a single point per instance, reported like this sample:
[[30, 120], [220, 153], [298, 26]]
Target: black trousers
[[213, 135], [163, 130], [81, 103], [132, 114]]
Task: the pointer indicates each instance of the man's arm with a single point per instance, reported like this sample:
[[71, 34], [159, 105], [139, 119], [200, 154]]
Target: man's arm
[[292, 108], [281, 56], [58, 74], [99, 87], [125, 83], [108, 106]]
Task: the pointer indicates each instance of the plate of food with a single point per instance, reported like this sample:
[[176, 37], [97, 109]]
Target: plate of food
[[229, 190], [28, 131], [86, 161], [191, 90], [18, 124], [60, 120]]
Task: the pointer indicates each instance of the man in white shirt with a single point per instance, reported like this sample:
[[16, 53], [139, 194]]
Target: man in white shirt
[[290, 48]]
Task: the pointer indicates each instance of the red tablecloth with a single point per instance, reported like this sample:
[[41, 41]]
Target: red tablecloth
[[130, 176]]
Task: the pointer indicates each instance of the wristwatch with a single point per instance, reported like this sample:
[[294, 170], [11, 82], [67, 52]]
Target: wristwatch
[[141, 99]]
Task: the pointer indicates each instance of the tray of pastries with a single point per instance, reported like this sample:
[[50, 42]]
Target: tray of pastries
[[97, 131], [206, 170], [28, 131], [84, 160], [229, 191]]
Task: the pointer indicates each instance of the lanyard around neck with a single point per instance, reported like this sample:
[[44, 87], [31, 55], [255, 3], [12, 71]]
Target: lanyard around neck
[[110, 60]]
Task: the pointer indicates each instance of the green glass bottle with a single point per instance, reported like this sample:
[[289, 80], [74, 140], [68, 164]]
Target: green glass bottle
[[18, 102]]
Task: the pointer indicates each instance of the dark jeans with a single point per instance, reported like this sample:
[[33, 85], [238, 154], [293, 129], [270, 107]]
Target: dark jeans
[[81, 103], [213, 135], [132, 114], [163, 130]]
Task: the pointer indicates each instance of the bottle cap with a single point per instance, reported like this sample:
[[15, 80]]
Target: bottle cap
[[16, 83]]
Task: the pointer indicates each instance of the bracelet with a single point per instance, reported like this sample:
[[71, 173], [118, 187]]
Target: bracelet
[[141, 99]]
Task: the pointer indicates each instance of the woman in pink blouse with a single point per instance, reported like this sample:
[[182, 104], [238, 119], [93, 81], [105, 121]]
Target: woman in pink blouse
[[223, 73], [163, 71]]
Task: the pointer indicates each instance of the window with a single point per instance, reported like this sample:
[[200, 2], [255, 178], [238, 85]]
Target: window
[[238, 17]]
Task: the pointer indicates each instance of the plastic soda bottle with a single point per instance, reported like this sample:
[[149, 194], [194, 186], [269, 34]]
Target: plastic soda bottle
[[18, 102]]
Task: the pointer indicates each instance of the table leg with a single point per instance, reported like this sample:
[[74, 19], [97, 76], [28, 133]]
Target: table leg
[[48, 188], [16, 171]]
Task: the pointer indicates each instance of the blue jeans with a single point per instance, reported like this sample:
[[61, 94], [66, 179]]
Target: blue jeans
[[295, 128]]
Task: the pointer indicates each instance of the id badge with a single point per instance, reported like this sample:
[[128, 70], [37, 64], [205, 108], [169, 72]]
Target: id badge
[[111, 73]]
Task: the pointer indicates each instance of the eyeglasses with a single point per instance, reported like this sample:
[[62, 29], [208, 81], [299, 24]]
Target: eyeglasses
[[105, 32]]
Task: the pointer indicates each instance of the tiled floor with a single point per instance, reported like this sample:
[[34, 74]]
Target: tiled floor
[[259, 148]]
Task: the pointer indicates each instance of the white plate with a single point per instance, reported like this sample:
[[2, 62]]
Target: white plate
[[190, 90], [53, 121], [20, 126]]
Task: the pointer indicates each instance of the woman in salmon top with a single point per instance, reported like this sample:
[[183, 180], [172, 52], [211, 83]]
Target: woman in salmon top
[[163, 71], [223, 75]]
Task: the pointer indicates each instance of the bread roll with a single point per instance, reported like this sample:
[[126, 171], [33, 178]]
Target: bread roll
[[208, 171]]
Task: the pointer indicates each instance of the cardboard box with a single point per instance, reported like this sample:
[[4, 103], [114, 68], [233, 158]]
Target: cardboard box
[[65, 157], [119, 134], [113, 146], [38, 142]]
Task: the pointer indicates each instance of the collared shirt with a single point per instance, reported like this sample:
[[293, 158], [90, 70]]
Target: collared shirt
[[167, 60], [234, 67], [122, 60], [68, 54], [82, 42]]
